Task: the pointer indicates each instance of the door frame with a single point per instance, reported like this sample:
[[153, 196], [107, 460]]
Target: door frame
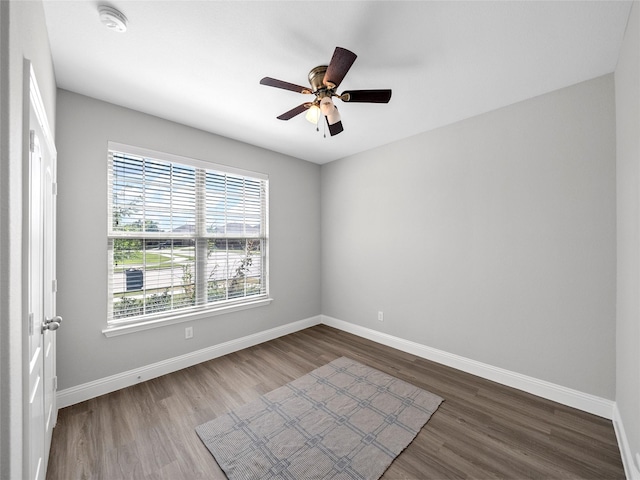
[[31, 98]]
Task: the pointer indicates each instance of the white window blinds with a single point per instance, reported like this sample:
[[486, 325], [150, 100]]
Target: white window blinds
[[183, 235]]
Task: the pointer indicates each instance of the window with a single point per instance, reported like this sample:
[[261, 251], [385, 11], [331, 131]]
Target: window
[[184, 236]]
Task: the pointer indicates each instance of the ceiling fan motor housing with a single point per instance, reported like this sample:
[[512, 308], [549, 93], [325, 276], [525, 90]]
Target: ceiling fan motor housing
[[316, 75]]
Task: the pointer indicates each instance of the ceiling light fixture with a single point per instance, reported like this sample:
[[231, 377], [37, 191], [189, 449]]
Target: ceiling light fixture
[[326, 106], [313, 114], [329, 110], [112, 18]]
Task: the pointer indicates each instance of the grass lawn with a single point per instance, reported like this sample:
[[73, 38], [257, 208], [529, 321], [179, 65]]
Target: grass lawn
[[136, 258], [153, 260]]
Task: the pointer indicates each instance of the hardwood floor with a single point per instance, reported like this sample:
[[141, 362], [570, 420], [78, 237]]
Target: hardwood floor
[[482, 430]]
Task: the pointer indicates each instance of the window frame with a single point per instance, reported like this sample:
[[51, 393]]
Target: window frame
[[148, 321]]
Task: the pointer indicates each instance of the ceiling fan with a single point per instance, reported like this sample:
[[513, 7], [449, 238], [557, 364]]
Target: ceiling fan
[[324, 81]]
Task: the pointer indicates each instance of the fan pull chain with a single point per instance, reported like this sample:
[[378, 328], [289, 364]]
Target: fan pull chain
[[324, 128]]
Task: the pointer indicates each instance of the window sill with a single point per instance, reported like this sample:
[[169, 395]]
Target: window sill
[[163, 322]]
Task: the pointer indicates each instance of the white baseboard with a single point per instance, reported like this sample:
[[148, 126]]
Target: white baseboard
[[557, 393], [80, 393], [566, 396], [630, 467]]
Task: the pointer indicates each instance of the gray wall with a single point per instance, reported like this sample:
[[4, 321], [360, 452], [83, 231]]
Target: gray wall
[[23, 34], [493, 238], [627, 82], [85, 126]]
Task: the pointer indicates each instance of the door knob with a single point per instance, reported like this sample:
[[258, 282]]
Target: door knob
[[50, 326], [52, 323]]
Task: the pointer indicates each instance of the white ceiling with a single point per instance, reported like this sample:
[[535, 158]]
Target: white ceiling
[[199, 62]]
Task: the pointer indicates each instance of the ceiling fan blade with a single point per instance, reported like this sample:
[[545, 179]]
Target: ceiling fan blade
[[366, 96], [336, 128], [272, 82], [339, 66], [294, 111]]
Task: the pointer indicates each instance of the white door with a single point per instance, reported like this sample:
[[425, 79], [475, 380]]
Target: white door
[[41, 294]]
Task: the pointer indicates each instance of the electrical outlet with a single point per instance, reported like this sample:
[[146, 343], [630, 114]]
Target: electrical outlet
[[188, 332], [381, 316]]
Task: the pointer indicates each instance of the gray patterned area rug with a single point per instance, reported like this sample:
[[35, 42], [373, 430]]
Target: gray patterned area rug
[[341, 421]]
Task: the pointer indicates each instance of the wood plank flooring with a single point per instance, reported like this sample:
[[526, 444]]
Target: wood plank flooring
[[482, 430]]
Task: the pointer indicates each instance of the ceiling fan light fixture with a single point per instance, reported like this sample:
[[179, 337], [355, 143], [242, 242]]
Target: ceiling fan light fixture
[[334, 117], [112, 19], [329, 110], [326, 106], [313, 114]]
